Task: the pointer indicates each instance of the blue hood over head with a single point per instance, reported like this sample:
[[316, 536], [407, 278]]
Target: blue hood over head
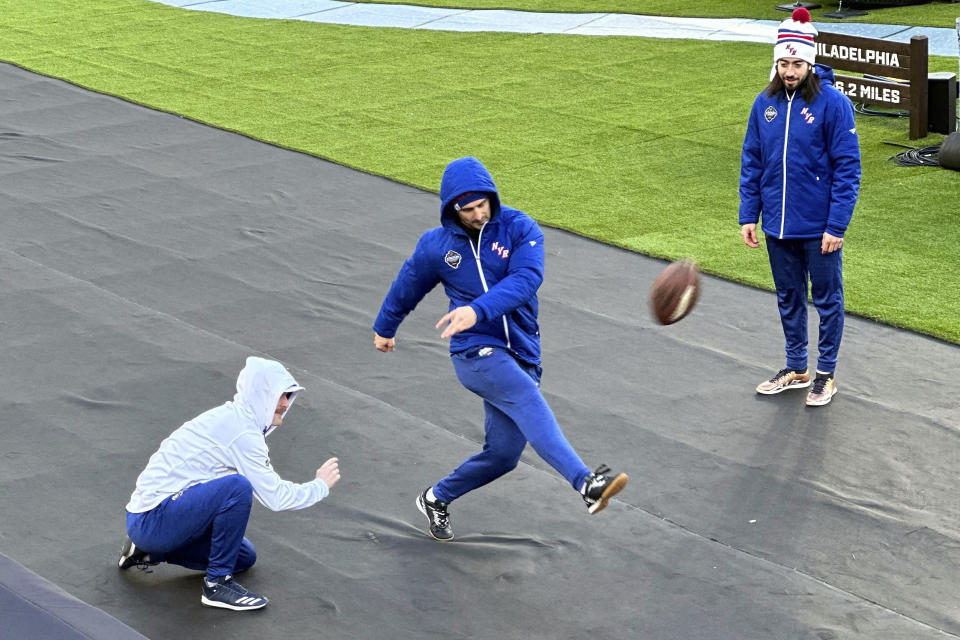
[[825, 73], [463, 175]]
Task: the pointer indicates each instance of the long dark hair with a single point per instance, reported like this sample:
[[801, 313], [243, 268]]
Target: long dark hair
[[809, 88]]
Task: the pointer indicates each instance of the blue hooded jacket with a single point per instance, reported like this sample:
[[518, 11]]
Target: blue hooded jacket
[[498, 275], [800, 166]]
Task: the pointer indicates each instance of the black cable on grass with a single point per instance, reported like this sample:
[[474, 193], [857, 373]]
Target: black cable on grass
[[916, 156], [867, 111]]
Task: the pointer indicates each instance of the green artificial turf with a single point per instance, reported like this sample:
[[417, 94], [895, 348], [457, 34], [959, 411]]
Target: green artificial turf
[[635, 142]]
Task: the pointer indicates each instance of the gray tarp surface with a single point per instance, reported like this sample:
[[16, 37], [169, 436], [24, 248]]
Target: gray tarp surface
[[144, 256], [32, 608]]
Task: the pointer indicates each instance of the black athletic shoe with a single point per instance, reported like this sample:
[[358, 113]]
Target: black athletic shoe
[[436, 513], [131, 556], [600, 486], [227, 593]]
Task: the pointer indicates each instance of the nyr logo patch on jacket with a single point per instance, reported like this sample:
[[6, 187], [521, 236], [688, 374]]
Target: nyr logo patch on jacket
[[807, 115], [502, 251], [452, 258], [770, 113]]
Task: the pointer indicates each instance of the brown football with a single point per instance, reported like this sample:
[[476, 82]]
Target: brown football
[[675, 291]]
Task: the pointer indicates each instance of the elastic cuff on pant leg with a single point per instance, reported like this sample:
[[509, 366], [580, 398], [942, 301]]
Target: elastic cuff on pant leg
[[796, 365], [439, 494], [213, 578], [581, 478]]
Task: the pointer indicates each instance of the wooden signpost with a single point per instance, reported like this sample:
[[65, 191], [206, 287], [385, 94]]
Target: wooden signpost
[[901, 61]]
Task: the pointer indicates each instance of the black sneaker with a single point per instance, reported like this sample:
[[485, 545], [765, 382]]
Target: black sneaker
[[131, 556], [600, 486], [436, 513], [227, 593]]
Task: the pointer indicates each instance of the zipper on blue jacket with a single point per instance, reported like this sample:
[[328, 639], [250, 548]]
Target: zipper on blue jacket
[[786, 136], [476, 256]]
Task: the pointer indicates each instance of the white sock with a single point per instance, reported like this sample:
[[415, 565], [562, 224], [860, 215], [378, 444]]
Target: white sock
[[210, 584], [430, 496]]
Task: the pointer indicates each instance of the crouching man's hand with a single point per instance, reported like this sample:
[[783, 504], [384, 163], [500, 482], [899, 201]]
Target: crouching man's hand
[[329, 472]]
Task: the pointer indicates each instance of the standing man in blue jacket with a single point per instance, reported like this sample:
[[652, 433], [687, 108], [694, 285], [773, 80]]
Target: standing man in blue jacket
[[800, 174], [489, 258], [192, 502]]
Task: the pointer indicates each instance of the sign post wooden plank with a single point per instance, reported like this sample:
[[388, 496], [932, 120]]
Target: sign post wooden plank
[[905, 63]]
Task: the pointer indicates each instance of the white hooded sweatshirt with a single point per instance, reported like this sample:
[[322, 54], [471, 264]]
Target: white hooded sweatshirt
[[229, 439]]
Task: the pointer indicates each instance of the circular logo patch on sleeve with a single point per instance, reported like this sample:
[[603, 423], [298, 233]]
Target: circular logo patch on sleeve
[[452, 259]]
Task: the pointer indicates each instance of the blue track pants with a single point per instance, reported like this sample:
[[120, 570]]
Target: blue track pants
[[793, 263], [514, 413], [200, 528]]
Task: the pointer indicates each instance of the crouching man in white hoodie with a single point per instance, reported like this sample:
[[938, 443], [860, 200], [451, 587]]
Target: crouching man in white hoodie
[[192, 502]]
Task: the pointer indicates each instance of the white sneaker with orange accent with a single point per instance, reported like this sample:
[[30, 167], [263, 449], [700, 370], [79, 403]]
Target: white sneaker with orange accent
[[824, 388], [783, 380]]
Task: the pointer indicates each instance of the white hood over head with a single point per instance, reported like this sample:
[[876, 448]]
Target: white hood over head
[[259, 387]]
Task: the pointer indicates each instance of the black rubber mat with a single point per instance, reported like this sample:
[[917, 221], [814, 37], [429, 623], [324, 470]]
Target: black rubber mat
[[145, 256]]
